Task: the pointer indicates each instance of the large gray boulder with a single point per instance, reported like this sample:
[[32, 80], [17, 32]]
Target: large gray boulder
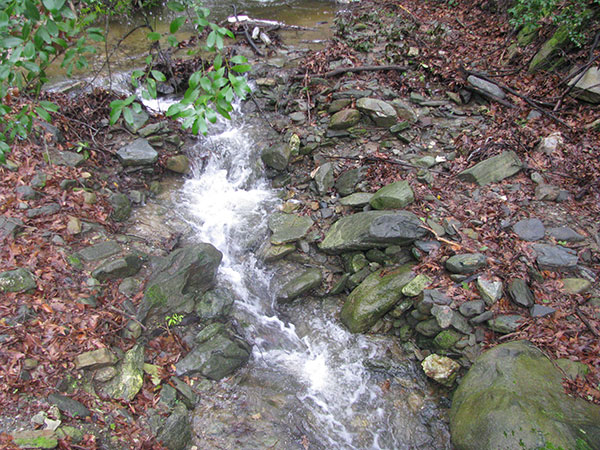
[[218, 353], [374, 297], [493, 169], [512, 398], [371, 229], [180, 279], [137, 153], [380, 112]]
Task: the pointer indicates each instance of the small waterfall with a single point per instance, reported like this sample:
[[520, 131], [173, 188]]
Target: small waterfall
[[314, 363]]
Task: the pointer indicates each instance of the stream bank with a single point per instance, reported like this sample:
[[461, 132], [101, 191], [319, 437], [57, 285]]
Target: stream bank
[[329, 171]]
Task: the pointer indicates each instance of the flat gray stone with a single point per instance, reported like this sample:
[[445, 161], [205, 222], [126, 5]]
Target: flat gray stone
[[550, 257], [466, 263], [277, 156], [26, 193], [71, 159], [95, 359], [565, 234], [491, 291], [530, 229], [300, 285], [18, 280], [472, 308], [288, 227], [520, 293], [99, 251], [10, 226], [344, 119], [429, 298], [46, 210], [67, 405], [357, 200], [348, 180], [486, 87], [393, 196], [541, 311], [121, 206], [324, 178], [505, 323], [493, 169], [118, 268], [380, 112], [588, 87], [137, 153], [428, 328]]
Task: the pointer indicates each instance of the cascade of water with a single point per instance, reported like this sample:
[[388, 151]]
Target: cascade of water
[[228, 203]]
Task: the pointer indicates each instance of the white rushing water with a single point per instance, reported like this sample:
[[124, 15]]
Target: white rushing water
[[228, 204]]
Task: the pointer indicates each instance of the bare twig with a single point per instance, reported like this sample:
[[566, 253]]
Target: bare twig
[[129, 316], [586, 321], [369, 159], [246, 34]]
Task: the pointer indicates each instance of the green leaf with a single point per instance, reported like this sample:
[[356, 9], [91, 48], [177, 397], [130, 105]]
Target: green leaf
[[137, 108], [175, 6], [31, 66], [114, 115], [194, 79], [210, 41], [153, 36], [31, 11], [176, 24], [151, 84], [52, 28], [201, 22], [4, 71], [96, 37], [3, 19], [241, 68], [136, 74], [174, 109], [211, 115], [158, 76], [129, 100], [239, 59], [218, 62], [128, 116], [219, 42], [49, 106], [10, 42], [116, 104], [43, 114], [172, 40], [206, 84]]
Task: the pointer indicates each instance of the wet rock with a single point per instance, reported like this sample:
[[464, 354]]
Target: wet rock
[[393, 196], [429, 298], [323, 177], [520, 293], [428, 328], [374, 297], [137, 153], [347, 181], [447, 338], [555, 258], [505, 323], [215, 304], [530, 229], [18, 280], [549, 49], [176, 433], [565, 234], [186, 393], [472, 308], [512, 397], [466, 263], [483, 317], [69, 406], [118, 268], [275, 252], [121, 207], [486, 87], [46, 210], [344, 119], [35, 439], [179, 279], [371, 229], [441, 369], [416, 285], [541, 311], [588, 87], [178, 164], [130, 376], [277, 156], [493, 169], [576, 285], [217, 354], [380, 112], [95, 359], [288, 227], [300, 285], [99, 251], [70, 159], [357, 200]]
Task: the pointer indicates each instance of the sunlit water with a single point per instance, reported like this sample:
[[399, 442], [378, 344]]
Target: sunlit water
[[313, 362]]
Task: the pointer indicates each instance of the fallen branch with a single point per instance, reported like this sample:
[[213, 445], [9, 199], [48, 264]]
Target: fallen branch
[[246, 34], [333, 73], [586, 321], [384, 160]]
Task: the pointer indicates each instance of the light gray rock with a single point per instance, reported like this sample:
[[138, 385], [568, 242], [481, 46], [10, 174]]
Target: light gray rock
[[99, 251], [550, 257], [178, 164], [323, 177], [95, 359], [565, 234], [466, 263], [505, 323], [472, 308], [346, 118], [10, 226], [215, 304], [486, 87], [541, 311], [491, 291], [393, 196], [71, 159], [441, 369], [429, 298], [588, 87], [357, 200], [130, 376], [382, 113], [493, 169], [530, 229], [137, 153]]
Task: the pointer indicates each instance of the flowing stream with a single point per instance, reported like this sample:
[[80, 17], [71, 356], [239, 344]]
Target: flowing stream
[[310, 383]]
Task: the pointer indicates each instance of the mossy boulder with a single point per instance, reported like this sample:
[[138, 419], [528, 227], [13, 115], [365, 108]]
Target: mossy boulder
[[374, 297], [393, 196], [19, 280], [512, 397]]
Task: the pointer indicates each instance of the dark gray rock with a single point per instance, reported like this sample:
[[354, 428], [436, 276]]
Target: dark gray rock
[[299, 285], [393, 196], [71, 159], [486, 87], [487, 315], [493, 170], [176, 433], [218, 353], [530, 229], [429, 298], [69, 406], [541, 311], [565, 234], [39, 180], [401, 228], [323, 177], [118, 268], [187, 395], [428, 328], [215, 304], [18, 280], [121, 207], [550, 257], [46, 210], [344, 119], [137, 153], [348, 180], [466, 263], [505, 323], [10, 226], [446, 317], [520, 293], [472, 308], [512, 397], [277, 156], [380, 112], [99, 251], [26, 193]]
